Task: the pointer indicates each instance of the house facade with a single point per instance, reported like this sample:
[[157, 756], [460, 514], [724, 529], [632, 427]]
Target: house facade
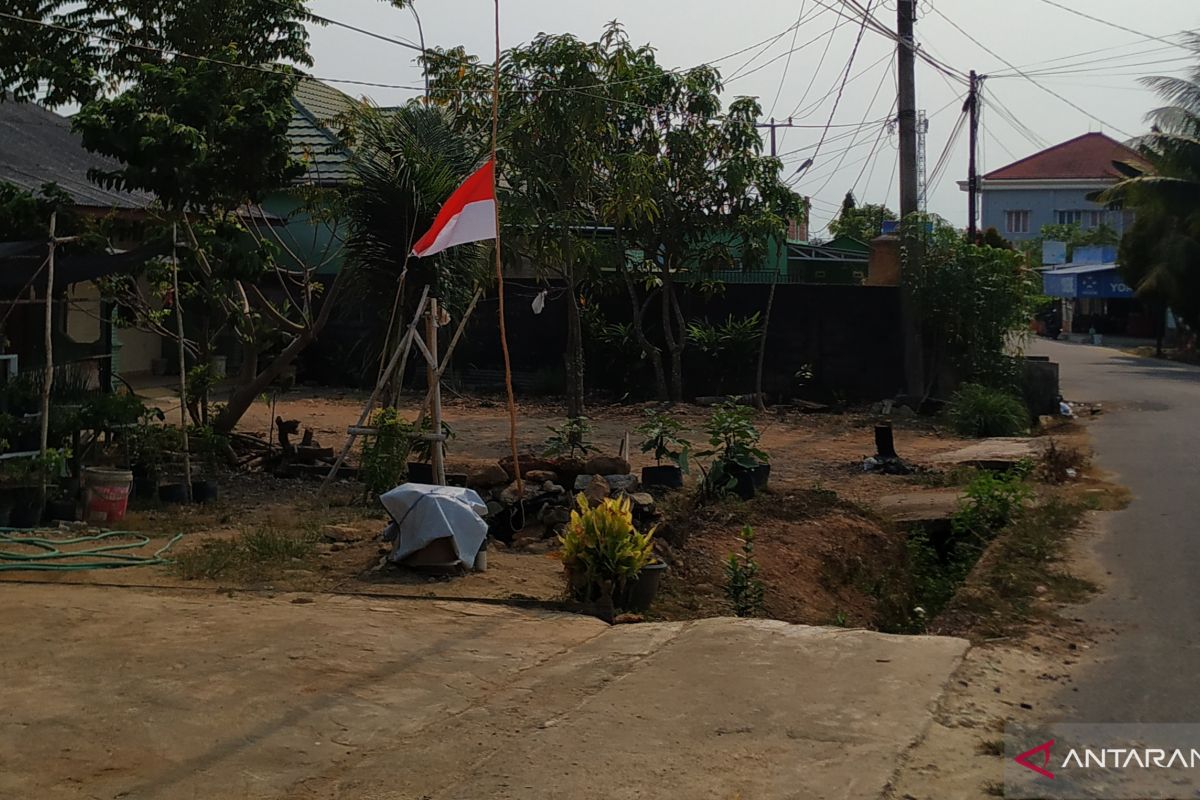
[[1052, 187]]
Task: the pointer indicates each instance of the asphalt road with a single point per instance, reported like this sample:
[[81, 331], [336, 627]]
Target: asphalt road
[[1149, 437]]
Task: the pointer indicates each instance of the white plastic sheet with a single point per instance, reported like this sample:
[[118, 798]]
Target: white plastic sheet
[[422, 514]]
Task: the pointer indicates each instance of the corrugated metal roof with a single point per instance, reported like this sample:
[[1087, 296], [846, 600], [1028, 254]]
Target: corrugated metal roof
[[315, 106], [38, 146], [1081, 269]]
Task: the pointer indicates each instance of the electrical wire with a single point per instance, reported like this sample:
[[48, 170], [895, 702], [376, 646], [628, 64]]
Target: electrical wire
[[845, 77], [1116, 26], [788, 65], [1013, 67], [870, 106]]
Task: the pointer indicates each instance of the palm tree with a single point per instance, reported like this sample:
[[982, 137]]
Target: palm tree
[[1160, 255], [406, 163]]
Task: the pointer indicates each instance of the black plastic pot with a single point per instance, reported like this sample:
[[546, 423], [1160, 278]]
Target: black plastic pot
[[663, 477], [62, 511], [761, 474], [744, 484], [28, 508], [638, 595], [420, 472], [173, 493], [205, 491]]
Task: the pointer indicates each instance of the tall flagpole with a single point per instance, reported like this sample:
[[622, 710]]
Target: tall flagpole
[[508, 384]]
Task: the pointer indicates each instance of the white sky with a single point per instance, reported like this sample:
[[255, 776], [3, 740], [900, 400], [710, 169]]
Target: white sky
[[689, 32]]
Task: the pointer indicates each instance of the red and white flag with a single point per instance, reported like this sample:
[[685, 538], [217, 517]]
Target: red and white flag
[[468, 216]]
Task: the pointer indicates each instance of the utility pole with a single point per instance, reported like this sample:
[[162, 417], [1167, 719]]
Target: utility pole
[[774, 126], [906, 14], [922, 162], [906, 104], [972, 109]]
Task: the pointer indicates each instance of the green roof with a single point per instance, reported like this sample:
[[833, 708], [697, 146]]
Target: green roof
[[315, 105]]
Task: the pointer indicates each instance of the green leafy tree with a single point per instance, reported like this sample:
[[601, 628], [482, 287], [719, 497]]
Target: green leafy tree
[[200, 121], [971, 301], [556, 109], [713, 200], [1160, 254], [860, 222]]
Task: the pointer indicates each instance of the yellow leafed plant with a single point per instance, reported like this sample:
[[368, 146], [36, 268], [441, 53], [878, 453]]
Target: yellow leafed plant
[[601, 546]]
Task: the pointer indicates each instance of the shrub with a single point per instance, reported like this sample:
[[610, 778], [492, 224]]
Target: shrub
[[601, 549], [661, 436], [733, 436], [570, 439], [743, 588], [385, 455], [990, 503], [980, 411]]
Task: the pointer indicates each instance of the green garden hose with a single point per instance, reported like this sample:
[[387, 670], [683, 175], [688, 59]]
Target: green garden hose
[[50, 558]]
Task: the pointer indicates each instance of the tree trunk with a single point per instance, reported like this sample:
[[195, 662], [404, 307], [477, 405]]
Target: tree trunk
[[249, 390], [762, 352], [575, 404], [639, 331], [675, 342]]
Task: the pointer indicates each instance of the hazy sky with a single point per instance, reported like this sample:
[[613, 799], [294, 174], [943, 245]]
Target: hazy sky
[[1031, 35]]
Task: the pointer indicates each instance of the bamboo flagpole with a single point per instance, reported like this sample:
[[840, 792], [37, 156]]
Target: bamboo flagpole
[[508, 384]]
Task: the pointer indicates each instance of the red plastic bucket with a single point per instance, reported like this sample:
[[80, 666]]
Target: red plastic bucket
[[107, 493]]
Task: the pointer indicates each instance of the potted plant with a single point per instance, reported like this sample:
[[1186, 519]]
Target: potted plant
[[661, 436], [211, 447], [147, 443], [22, 481], [740, 465], [608, 563]]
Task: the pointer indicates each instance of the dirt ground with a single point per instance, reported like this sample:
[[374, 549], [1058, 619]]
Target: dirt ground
[[805, 449], [820, 547]]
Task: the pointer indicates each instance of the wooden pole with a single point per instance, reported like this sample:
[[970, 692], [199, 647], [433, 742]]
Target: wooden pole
[[433, 374], [183, 419], [48, 378], [508, 385], [399, 357], [759, 398]]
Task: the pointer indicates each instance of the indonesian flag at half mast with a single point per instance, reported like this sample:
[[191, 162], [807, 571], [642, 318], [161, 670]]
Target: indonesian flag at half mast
[[468, 216]]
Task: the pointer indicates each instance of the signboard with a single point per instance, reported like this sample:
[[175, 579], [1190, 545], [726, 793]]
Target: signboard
[[1107, 284], [1054, 252]]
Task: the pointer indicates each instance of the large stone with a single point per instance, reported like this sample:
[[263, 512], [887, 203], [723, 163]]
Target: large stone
[[622, 483], [554, 516], [606, 465], [597, 490], [643, 502], [528, 463], [488, 477], [541, 476], [512, 494]]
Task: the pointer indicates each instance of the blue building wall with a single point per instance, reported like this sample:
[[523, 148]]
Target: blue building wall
[[1043, 206]]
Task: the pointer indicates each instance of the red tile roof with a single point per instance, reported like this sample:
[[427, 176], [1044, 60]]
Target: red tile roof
[[1085, 157]]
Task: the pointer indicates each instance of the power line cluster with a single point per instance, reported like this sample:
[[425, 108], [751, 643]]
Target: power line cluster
[[1097, 62]]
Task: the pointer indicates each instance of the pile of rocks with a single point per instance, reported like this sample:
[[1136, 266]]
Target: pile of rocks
[[532, 520]]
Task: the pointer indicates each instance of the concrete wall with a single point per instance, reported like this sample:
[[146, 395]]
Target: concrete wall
[[1043, 205]]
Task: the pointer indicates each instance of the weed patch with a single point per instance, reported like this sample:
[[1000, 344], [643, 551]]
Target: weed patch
[[255, 554]]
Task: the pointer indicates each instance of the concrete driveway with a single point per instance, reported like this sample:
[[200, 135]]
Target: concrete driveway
[[1149, 437], [125, 693]]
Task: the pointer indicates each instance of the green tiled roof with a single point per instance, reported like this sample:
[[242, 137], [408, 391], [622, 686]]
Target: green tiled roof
[[315, 106]]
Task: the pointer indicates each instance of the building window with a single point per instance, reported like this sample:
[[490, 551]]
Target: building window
[[1087, 219], [1016, 221]]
